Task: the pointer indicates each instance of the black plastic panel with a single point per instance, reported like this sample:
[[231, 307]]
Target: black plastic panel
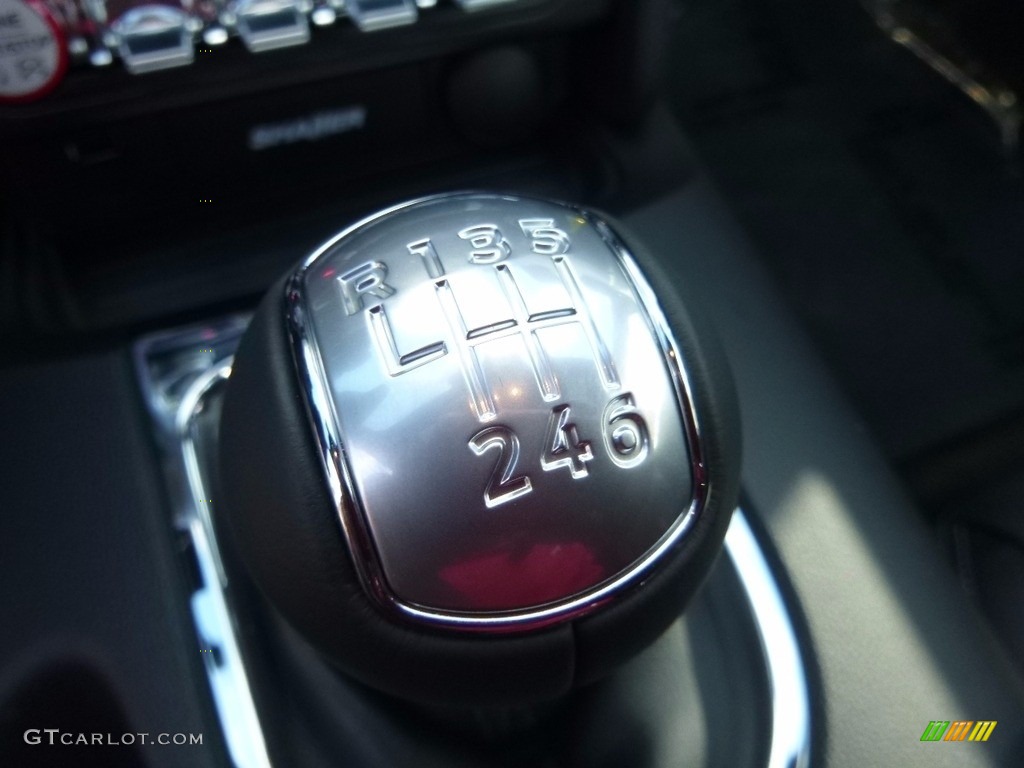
[[96, 635]]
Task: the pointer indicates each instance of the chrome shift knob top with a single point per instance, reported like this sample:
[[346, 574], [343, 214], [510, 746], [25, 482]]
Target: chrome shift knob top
[[516, 442], [512, 434]]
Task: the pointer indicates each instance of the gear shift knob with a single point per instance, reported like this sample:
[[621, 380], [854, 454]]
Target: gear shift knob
[[472, 454]]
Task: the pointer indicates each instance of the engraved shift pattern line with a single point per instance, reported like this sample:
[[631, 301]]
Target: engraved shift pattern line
[[396, 363], [522, 324], [525, 325], [542, 371], [471, 370], [605, 364]]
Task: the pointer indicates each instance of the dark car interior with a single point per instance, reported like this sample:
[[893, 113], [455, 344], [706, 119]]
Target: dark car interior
[[835, 187]]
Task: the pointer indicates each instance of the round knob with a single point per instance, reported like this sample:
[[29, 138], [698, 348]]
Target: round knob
[[472, 454]]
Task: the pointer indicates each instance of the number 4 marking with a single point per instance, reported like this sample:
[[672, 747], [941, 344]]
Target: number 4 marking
[[563, 447]]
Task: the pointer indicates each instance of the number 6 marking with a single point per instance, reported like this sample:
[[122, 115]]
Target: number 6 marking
[[625, 432], [502, 487]]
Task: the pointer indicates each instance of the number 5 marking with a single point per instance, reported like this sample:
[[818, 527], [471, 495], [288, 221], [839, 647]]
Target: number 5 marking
[[502, 487], [545, 238]]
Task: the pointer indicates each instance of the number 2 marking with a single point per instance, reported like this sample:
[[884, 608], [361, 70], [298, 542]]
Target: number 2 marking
[[502, 487]]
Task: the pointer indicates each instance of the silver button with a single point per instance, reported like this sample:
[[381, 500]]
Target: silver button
[[153, 37], [265, 25], [501, 409], [371, 15]]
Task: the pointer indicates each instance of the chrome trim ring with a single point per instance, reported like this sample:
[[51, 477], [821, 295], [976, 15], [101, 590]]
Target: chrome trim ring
[[395, 295]]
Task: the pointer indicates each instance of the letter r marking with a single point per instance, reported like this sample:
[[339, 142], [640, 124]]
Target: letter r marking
[[366, 279]]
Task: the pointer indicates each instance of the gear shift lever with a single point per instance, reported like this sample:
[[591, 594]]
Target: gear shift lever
[[472, 455]]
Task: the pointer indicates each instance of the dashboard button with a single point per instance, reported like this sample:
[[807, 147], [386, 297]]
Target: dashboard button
[[265, 25], [152, 37], [371, 15]]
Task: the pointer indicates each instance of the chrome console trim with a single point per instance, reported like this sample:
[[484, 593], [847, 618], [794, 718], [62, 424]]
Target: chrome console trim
[[791, 707], [176, 385], [210, 604]]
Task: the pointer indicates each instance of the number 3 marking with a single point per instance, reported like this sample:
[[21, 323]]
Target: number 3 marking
[[502, 487], [489, 245]]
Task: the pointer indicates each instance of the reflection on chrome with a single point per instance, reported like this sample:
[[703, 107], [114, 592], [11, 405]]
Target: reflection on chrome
[[791, 712], [225, 670], [178, 372]]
